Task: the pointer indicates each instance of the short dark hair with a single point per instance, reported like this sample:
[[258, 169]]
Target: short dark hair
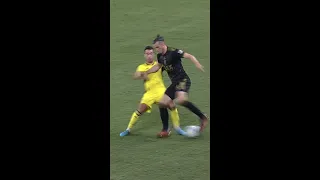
[[148, 48], [158, 38]]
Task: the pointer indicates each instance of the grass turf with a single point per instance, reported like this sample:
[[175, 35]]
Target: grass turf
[[142, 156]]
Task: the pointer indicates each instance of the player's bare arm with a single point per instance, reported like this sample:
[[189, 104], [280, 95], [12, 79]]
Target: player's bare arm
[[194, 60], [138, 75], [154, 69]]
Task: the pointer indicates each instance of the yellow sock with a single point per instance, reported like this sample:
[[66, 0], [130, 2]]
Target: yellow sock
[[135, 116], [175, 117]]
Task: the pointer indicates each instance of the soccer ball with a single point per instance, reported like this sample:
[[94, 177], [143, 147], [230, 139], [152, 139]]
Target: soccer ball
[[192, 131]]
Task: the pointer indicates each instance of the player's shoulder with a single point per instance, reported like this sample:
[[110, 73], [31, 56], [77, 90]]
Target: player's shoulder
[[172, 48], [141, 66], [144, 65], [176, 50]]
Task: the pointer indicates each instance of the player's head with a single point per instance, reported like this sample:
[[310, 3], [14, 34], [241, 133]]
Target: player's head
[[148, 53], [158, 44]]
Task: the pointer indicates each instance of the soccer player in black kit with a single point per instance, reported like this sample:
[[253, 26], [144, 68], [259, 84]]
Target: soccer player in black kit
[[170, 59]]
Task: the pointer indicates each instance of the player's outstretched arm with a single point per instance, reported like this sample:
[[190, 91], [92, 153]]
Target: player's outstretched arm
[[194, 60], [154, 69]]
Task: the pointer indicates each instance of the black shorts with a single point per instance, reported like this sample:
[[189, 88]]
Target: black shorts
[[182, 85]]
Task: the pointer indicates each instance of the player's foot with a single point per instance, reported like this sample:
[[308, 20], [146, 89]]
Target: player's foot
[[124, 133], [180, 131], [204, 122], [164, 133]]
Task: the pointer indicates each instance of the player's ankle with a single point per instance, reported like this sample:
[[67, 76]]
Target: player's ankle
[[176, 127], [204, 117], [165, 129], [172, 108]]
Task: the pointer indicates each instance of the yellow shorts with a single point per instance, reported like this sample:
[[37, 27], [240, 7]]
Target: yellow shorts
[[152, 97]]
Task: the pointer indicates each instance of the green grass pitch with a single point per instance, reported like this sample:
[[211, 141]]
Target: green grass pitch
[[134, 24]]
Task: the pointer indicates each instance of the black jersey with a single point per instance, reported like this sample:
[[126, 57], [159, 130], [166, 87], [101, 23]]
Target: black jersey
[[171, 62]]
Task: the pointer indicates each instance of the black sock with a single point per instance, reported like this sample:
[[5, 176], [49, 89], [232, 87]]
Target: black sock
[[193, 109], [165, 118]]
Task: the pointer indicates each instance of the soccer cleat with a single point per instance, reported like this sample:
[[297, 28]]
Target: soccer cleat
[[164, 133], [180, 131], [204, 123], [124, 133]]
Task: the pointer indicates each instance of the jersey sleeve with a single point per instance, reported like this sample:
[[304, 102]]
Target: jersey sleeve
[[179, 53], [139, 68]]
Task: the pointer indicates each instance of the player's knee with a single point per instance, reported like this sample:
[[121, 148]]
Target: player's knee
[[181, 100], [171, 105], [162, 104], [143, 108]]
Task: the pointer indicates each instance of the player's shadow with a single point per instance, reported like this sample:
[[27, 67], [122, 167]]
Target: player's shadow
[[192, 138], [143, 137]]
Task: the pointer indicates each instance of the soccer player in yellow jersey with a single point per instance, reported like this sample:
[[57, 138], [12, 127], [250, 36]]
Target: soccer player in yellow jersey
[[154, 90]]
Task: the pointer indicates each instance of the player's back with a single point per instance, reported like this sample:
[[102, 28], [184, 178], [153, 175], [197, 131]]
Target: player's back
[[155, 80]]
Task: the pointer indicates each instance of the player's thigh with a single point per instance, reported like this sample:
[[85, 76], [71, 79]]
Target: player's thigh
[[170, 93], [148, 99], [182, 90], [159, 94]]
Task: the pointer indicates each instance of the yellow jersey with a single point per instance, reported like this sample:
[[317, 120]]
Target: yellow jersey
[[155, 79]]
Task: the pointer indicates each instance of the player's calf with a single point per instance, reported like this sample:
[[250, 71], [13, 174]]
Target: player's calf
[[182, 99], [142, 108], [165, 118], [176, 121]]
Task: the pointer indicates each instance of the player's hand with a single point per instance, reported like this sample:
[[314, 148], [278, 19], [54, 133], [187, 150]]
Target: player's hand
[[144, 76], [199, 66]]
